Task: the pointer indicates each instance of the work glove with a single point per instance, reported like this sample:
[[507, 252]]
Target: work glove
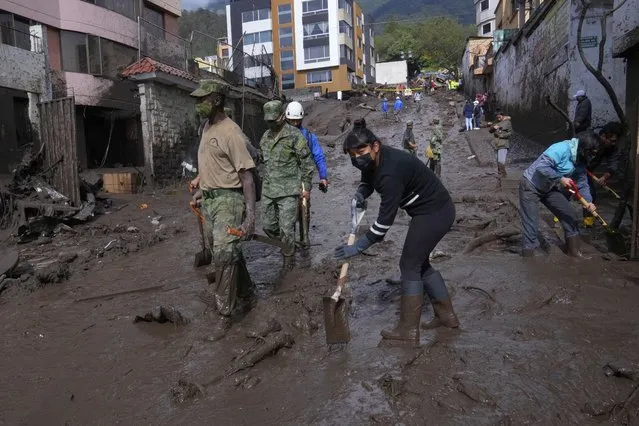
[[323, 185], [361, 201], [346, 251]]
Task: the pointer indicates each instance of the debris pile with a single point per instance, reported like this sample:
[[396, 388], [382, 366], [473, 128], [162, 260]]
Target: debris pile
[[35, 209]]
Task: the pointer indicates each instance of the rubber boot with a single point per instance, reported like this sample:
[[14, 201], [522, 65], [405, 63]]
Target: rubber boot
[[247, 299], [501, 169], [435, 287], [225, 287], [220, 329], [410, 312], [572, 247]]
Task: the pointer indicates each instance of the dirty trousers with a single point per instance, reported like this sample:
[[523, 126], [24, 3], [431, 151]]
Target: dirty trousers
[[279, 216], [555, 201], [435, 166], [424, 233], [501, 155], [224, 208]]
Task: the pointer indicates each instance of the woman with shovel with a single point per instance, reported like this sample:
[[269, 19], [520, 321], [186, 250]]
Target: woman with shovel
[[403, 181]]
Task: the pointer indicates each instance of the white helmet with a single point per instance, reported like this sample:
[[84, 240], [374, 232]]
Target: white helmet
[[294, 111]]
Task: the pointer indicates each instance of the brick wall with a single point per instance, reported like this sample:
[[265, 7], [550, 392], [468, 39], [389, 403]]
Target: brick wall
[[168, 129]]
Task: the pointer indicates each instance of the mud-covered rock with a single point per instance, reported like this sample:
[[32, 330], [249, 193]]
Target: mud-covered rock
[[163, 314], [54, 272]]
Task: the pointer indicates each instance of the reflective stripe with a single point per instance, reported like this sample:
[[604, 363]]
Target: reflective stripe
[[381, 226], [376, 232], [411, 201]]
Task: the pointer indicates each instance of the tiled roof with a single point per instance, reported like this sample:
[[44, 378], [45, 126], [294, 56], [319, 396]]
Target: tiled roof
[[148, 65]]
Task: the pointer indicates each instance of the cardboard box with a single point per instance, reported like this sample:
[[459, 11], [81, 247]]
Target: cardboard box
[[120, 183]]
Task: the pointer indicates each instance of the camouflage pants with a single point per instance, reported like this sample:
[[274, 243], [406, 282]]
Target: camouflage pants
[[224, 208], [279, 216]]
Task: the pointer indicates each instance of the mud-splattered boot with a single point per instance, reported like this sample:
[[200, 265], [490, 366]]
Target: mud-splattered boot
[[572, 247], [501, 170], [435, 287], [410, 312], [220, 328]]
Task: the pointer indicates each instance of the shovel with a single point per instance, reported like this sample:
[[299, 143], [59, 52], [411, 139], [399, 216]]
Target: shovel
[[336, 307], [304, 224], [614, 238], [203, 257]]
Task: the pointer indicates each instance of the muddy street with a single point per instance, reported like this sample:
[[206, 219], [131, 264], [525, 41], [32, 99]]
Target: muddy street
[[535, 335]]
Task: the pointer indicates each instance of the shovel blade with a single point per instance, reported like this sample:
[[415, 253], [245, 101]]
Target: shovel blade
[[336, 320], [202, 258]]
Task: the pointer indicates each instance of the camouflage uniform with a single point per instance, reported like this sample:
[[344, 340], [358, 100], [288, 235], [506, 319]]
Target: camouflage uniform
[[409, 138], [287, 164], [221, 155], [436, 147]]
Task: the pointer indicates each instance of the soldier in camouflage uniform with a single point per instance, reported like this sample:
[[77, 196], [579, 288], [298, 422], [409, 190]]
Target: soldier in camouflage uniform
[[228, 200], [408, 141], [287, 164], [436, 140]]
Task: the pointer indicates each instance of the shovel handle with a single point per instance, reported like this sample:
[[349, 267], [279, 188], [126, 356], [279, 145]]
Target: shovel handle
[[341, 281], [585, 203]]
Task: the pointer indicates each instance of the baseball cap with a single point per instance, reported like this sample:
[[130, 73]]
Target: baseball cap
[[580, 93]]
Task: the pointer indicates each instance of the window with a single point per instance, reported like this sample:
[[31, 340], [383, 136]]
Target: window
[[94, 55], [316, 54], [314, 6], [288, 81], [286, 37], [225, 52], [284, 13], [258, 60], [345, 28], [485, 29], [348, 8], [14, 31], [286, 59], [155, 18], [359, 42], [128, 8], [485, 5], [316, 77], [256, 15], [261, 37], [346, 52], [359, 22], [316, 30], [74, 51], [360, 64]]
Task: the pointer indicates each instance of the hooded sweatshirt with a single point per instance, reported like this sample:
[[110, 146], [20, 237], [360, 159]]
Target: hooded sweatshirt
[[559, 160]]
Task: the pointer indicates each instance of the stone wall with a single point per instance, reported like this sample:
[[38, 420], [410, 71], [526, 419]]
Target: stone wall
[[169, 128], [541, 60]]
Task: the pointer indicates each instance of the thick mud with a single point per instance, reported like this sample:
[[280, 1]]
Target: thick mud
[[535, 336]]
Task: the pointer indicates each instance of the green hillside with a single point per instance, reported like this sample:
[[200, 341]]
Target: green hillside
[[463, 10]]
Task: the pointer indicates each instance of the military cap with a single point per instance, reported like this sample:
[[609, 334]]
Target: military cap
[[207, 87], [273, 110]]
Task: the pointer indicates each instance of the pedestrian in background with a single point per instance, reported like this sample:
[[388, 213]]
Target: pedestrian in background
[[436, 140], [397, 108], [502, 131], [385, 107], [468, 115], [476, 115], [408, 141], [583, 112]]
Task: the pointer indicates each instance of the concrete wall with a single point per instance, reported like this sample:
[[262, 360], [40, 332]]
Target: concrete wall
[[100, 91], [543, 60], [625, 31], [169, 129], [21, 69], [614, 70], [391, 72]]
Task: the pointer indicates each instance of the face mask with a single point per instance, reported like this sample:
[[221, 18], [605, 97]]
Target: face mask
[[204, 109], [275, 125], [364, 162]]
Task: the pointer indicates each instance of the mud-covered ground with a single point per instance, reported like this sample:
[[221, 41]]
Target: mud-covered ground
[[535, 336]]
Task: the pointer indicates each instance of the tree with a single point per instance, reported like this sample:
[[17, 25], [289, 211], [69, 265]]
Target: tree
[[205, 26], [434, 43]]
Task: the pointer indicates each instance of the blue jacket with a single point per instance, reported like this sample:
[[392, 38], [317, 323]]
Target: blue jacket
[[385, 106], [398, 104], [558, 161], [468, 111], [317, 152]]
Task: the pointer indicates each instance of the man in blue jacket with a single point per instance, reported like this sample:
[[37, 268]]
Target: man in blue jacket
[[397, 107], [385, 107], [560, 167], [294, 116]]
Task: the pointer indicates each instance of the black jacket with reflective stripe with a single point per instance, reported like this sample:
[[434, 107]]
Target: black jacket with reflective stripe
[[403, 181]]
